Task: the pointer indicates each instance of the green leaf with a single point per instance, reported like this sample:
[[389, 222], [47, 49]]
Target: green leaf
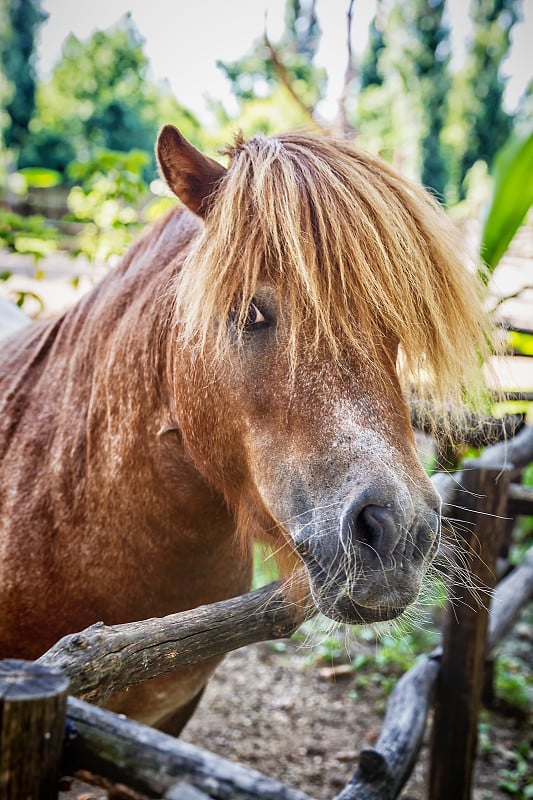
[[511, 200], [522, 343], [22, 296], [40, 177]]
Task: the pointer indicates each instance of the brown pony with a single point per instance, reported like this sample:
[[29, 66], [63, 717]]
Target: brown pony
[[236, 377]]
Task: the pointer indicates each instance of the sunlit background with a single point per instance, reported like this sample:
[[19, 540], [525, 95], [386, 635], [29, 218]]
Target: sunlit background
[[439, 88], [184, 43]]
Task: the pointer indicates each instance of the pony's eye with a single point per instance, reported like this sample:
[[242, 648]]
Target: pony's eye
[[254, 319]]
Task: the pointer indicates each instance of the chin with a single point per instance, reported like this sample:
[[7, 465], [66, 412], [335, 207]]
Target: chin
[[343, 608]]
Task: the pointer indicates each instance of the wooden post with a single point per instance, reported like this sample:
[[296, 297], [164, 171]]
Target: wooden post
[[33, 703], [480, 509]]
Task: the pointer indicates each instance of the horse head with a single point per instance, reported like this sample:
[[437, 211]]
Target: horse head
[[319, 278]]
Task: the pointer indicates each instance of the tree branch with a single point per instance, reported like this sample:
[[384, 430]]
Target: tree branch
[[513, 296], [104, 659], [285, 79], [342, 125]]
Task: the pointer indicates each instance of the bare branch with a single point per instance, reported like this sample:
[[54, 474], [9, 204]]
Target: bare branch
[[527, 288], [285, 79], [104, 659], [342, 124]]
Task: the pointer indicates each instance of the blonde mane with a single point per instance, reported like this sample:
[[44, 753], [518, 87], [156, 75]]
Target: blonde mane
[[351, 246]]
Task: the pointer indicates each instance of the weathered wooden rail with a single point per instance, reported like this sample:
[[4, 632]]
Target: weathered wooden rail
[[35, 713], [104, 659]]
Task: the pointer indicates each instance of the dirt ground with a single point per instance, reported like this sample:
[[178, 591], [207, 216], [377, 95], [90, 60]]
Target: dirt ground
[[282, 710], [298, 721]]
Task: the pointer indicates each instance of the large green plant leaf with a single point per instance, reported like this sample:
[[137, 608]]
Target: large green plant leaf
[[511, 200]]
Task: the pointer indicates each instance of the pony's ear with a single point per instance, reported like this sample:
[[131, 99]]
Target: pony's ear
[[189, 174]]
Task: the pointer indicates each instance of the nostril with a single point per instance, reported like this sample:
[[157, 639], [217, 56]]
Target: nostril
[[377, 528], [374, 526], [428, 536]]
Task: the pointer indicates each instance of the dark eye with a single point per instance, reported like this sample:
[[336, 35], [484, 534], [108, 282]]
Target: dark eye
[[254, 318]]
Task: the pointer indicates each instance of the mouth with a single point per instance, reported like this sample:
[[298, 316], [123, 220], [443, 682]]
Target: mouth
[[346, 600], [346, 610]]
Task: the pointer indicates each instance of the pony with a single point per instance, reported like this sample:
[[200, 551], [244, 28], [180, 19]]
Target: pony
[[240, 376]]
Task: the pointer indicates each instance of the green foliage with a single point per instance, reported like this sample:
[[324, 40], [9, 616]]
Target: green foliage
[[22, 296], [19, 20], [107, 198], [395, 653], [259, 74], [40, 177], [521, 343], [415, 112], [380, 124], [511, 199], [402, 103], [515, 777], [524, 528], [252, 75], [100, 97], [527, 476], [516, 780], [265, 570], [487, 124], [484, 742], [268, 115], [97, 89], [48, 147], [512, 683], [371, 74], [432, 71], [122, 170], [27, 235], [329, 650]]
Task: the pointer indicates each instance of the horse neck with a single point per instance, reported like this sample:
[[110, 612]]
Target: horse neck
[[128, 335], [97, 376]]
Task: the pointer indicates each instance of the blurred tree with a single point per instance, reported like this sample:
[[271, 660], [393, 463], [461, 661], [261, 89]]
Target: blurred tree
[[107, 197], [100, 96], [289, 63], [267, 115], [431, 67], [303, 30], [524, 115], [50, 148], [370, 73], [404, 86], [343, 124], [20, 20], [487, 123]]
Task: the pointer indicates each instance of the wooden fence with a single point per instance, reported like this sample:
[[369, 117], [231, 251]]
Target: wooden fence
[[48, 727]]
